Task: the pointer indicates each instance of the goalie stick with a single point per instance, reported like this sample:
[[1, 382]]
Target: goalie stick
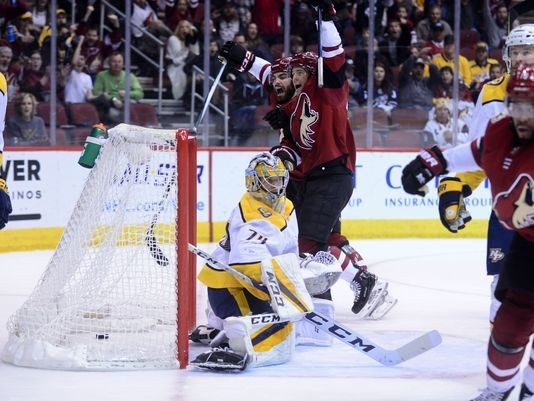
[[386, 357], [155, 250]]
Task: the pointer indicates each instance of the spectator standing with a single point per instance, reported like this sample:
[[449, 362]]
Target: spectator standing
[[109, 88], [180, 12], [25, 128], [255, 44], [27, 37], [424, 27], [78, 84], [496, 27], [229, 23], [266, 13], [95, 50], [183, 44], [435, 45], [40, 14], [395, 46]]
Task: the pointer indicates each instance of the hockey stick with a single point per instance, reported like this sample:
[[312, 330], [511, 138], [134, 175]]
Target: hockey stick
[[343, 333], [320, 78], [150, 238]]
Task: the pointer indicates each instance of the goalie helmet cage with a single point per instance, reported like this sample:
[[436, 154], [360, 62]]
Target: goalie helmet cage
[[119, 291]]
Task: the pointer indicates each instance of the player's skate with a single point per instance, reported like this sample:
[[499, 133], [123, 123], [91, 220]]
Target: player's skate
[[526, 394], [222, 359], [203, 334], [490, 395], [371, 298]]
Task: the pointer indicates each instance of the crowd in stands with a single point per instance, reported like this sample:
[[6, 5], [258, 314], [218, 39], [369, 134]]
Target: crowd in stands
[[412, 53]]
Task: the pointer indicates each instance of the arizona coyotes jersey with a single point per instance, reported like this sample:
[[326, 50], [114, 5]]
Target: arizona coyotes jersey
[[254, 232], [509, 166]]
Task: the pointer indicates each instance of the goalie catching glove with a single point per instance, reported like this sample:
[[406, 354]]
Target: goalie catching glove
[[237, 56], [5, 203], [428, 164], [452, 211]]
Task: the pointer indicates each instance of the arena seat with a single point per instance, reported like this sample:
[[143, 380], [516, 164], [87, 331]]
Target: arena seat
[[144, 114]]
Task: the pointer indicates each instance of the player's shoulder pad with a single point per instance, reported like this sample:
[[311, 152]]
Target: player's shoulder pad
[[495, 90], [3, 85], [251, 209]]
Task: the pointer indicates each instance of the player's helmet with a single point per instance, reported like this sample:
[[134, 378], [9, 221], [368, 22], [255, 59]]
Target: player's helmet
[[280, 65], [521, 83], [266, 179], [306, 60], [521, 35]]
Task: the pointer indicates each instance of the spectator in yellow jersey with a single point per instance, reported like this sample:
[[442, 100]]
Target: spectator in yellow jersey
[[447, 58], [480, 66]]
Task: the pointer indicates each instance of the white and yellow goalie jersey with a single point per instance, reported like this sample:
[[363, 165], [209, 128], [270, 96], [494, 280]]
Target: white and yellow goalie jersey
[[254, 232], [490, 103]]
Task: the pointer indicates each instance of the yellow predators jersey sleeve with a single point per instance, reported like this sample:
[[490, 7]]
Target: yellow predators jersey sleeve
[[3, 107], [490, 103], [254, 232], [472, 178]]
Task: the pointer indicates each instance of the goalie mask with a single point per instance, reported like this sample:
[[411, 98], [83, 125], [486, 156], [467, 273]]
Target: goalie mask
[[523, 35], [266, 179]]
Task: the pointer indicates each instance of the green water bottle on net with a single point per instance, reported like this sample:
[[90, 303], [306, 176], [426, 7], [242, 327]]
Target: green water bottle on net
[[92, 145]]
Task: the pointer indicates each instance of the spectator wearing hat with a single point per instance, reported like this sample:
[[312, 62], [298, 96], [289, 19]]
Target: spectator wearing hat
[[447, 58], [415, 90], [424, 27], [395, 45], [480, 66], [435, 46], [439, 127], [26, 41]]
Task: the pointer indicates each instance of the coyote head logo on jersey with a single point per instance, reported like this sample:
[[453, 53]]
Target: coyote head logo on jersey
[[301, 121], [515, 207]]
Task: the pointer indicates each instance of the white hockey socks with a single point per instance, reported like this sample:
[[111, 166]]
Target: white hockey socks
[[307, 333], [289, 296]]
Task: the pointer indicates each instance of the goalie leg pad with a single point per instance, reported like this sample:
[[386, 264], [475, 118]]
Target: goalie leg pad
[[289, 296], [270, 344], [307, 334]]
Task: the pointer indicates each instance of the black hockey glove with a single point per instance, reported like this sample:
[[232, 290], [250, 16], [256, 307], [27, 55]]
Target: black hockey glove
[[237, 56], [327, 8], [277, 118], [452, 211], [428, 164], [5, 204], [288, 156]]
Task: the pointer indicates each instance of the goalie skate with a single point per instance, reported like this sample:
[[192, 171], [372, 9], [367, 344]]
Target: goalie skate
[[203, 334], [220, 359]]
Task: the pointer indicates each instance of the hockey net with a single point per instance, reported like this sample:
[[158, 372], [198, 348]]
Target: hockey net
[[119, 291]]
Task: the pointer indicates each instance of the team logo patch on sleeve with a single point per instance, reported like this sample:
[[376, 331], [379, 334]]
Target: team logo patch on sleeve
[[515, 207]]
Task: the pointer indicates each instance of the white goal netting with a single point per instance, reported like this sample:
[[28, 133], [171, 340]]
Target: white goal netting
[[108, 298]]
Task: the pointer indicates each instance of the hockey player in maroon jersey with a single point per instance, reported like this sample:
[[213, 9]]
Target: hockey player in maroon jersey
[[506, 153], [318, 147]]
